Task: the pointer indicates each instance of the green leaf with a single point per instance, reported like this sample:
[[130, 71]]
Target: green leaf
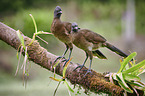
[[34, 35], [20, 46], [57, 63], [42, 39], [37, 33], [65, 67], [19, 58], [141, 70], [130, 77], [126, 67], [114, 76], [34, 22], [70, 89], [126, 60], [59, 80], [21, 38], [32, 39], [132, 63], [141, 83], [125, 88], [56, 89], [25, 62], [64, 71], [138, 71], [41, 32], [122, 83], [136, 67], [137, 85], [120, 78]]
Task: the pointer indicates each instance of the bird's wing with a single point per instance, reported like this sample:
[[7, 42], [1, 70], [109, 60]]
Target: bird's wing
[[93, 37], [99, 54], [67, 26]]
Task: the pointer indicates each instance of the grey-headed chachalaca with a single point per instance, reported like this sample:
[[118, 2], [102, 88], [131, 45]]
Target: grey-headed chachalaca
[[62, 30], [90, 41]]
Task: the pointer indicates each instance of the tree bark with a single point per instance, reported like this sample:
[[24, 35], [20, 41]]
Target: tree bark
[[95, 82]]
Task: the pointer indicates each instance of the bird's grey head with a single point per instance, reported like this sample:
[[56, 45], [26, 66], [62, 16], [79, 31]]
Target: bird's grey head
[[75, 27], [57, 12]]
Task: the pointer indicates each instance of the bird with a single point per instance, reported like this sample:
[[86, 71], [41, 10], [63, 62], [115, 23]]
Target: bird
[[90, 42], [62, 30]]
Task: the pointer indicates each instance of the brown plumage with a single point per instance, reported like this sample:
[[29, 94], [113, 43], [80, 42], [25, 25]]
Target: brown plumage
[[62, 30], [90, 42]]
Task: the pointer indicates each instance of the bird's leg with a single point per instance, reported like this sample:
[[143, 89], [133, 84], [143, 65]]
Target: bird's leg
[[65, 52], [62, 55], [81, 66], [68, 57], [89, 70], [70, 53]]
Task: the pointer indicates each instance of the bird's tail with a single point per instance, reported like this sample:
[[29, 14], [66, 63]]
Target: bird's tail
[[99, 54], [116, 50]]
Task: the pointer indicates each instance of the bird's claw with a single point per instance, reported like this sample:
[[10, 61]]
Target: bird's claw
[[88, 71], [59, 58], [80, 66], [65, 61]]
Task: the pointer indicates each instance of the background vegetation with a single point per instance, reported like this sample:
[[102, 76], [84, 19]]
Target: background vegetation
[[101, 16]]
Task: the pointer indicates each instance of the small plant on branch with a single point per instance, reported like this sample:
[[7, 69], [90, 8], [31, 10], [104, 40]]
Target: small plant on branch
[[128, 77], [37, 32], [63, 78], [23, 48]]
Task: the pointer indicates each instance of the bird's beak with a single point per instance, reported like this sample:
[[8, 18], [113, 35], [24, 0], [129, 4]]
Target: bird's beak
[[76, 28], [60, 12]]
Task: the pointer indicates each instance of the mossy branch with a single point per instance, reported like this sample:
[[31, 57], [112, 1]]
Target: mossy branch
[[96, 83]]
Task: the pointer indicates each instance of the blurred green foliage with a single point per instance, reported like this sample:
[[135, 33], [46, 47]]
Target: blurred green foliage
[[17, 5], [16, 14], [22, 21]]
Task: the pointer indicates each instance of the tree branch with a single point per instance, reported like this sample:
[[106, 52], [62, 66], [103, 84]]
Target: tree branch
[[96, 83]]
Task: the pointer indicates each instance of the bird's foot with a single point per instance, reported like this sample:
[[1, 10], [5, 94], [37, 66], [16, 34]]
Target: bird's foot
[[65, 60], [88, 71], [80, 66], [59, 57]]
